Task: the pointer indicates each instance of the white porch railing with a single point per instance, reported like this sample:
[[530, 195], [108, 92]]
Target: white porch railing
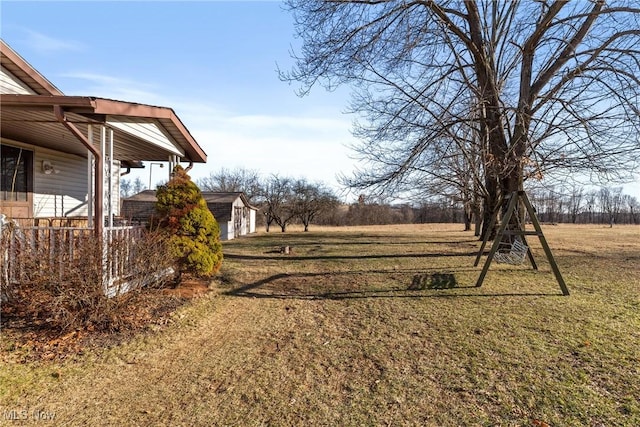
[[58, 250]]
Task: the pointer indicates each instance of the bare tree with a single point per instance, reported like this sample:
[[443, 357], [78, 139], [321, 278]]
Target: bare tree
[[547, 86], [458, 177], [592, 205], [233, 180], [125, 188], [277, 200], [575, 203], [611, 203], [634, 208], [311, 200], [138, 186]]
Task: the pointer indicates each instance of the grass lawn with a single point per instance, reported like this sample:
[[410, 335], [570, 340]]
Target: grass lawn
[[369, 326]]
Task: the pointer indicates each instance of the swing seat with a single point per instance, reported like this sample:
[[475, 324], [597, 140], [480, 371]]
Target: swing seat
[[513, 253]]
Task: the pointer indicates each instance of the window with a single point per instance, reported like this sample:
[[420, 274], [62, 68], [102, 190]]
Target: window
[[15, 173]]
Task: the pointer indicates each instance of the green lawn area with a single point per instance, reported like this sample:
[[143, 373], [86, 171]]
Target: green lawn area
[[370, 326]]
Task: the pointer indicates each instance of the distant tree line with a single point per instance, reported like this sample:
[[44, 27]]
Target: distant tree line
[[576, 205], [283, 201], [606, 205]]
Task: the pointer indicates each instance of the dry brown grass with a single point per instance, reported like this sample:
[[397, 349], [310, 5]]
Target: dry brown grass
[[372, 326]]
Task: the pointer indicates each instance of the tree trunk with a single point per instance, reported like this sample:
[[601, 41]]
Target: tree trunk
[[478, 225], [468, 217], [489, 207], [513, 183]]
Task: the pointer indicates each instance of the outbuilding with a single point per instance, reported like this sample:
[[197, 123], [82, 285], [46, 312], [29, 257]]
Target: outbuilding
[[235, 216], [232, 210]]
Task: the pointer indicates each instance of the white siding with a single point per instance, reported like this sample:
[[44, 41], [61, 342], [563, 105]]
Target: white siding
[[224, 230], [115, 194], [65, 193], [252, 220], [247, 221], [148, 131], [10, 84]]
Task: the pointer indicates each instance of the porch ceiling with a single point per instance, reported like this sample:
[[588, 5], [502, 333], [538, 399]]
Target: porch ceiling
[[141, 132]]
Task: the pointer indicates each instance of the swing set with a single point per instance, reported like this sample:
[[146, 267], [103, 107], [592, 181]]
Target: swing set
[[510, 244]]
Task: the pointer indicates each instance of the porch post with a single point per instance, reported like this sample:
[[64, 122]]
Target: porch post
[[99, 194], [107, 150], [111, 177], [99, 168], [90, 177], [171, 165]]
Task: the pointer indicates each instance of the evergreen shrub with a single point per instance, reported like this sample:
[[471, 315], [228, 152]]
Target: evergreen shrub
[[194, 234]]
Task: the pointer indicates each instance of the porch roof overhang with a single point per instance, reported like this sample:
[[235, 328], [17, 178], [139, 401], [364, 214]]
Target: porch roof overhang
[[141, 132]]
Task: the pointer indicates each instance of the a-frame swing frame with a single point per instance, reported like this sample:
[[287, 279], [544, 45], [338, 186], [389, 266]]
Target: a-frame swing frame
[[514, 203]]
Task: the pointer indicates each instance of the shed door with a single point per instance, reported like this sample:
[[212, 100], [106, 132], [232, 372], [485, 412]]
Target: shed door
[[237, 221], [16, 182]]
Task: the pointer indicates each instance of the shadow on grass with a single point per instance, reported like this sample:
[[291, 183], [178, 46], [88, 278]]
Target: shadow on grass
[[422, 285], [433, 281], [350, 239], [338, 257], [352, 242]]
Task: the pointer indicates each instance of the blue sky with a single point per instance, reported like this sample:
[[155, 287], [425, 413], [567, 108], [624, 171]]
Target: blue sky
[[213, 62]]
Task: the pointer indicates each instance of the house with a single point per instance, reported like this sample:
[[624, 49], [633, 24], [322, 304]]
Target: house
[[235, 216], [61, 157]]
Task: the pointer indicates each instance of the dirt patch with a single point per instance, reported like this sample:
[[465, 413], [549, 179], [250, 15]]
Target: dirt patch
[[190, 287], [142, 311]]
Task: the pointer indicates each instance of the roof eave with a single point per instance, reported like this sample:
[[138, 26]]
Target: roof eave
[[26, 68], [102, 106]]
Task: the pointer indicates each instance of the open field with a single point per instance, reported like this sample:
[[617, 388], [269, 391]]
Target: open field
[[370, 326]]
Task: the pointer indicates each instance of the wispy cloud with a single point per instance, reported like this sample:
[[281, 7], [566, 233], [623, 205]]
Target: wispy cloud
[[308, 144], [320, 124], [311, 146], [213, 114], [114, 87], [45, 44]]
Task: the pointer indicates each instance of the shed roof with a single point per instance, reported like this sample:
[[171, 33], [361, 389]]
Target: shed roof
[[226, 197], [144, 196], [142, 205]]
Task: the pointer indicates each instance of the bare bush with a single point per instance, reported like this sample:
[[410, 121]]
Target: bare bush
[[72, 290]]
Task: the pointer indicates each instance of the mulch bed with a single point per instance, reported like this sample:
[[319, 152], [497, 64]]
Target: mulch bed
[[141, 311]]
